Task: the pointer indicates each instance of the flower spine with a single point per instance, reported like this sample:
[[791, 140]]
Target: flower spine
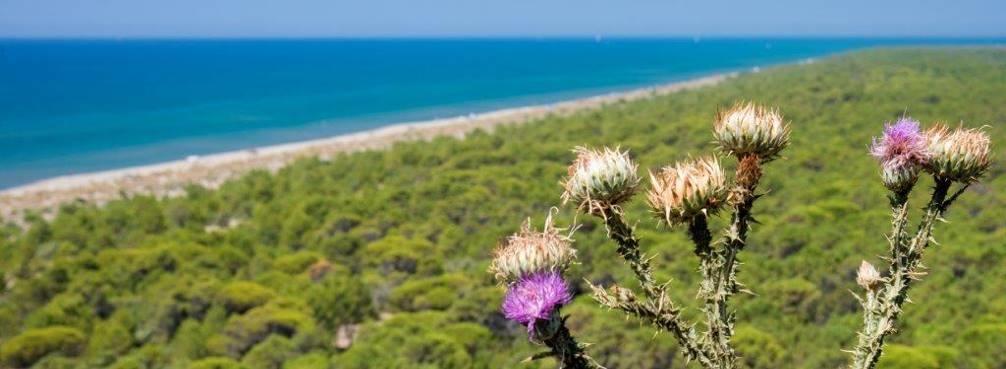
[[687, 189], [749, 129], [600, 180]]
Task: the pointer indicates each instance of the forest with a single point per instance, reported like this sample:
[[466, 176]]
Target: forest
[[378, 259]]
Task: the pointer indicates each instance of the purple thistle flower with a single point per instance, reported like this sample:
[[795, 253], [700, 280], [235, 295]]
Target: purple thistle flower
[[903, 145], [535, 297]]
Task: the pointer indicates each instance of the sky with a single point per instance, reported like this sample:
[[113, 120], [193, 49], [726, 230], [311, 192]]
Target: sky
[[503, 18]]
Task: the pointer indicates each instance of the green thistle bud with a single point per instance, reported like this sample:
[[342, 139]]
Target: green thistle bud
[[959, 155], [600, 180], [528, 251], [868, 277], [899, 179], [747, 128], [687, 189]]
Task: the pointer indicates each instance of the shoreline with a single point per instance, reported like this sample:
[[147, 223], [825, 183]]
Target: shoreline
[[170, 178]]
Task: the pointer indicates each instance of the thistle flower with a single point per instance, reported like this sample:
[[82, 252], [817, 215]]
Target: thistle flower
[[901, 151], [959, 155], [536, 298], [600, 179], [687, 189], [867, 276], [528, 251], [747, 128]]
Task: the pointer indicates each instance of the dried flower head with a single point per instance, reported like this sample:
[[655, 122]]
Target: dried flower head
[[868, 277], [529, 251], [687, 189], [535, 298], [959, 155], [747, 128], [600, 179], [901, 151]]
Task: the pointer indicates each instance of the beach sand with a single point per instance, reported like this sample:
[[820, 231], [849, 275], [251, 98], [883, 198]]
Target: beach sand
[[170, 178]]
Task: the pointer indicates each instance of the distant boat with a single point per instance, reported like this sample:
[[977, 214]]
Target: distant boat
[[597, 38]]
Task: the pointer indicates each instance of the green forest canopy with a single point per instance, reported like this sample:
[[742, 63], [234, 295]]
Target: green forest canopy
[[266, 271]]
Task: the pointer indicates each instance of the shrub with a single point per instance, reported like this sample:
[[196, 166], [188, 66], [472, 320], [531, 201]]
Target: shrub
[[216, 363], [418, 340], [295, 263], [314, 360], [242, 332], [905, 357], [68, 309], [758, 349], [26, 348], [340, 299], [241, 296], [270, 353]]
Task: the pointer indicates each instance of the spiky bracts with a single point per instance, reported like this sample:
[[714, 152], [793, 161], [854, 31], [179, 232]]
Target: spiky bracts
[[529, 251], [600, 180], [749, 129], [686, 190], [960, 155]]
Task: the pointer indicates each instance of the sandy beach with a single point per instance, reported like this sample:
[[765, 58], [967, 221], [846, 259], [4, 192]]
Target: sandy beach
[[170, 178]]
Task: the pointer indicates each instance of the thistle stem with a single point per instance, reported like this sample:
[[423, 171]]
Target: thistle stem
[[568, 351], [628, 248], [658, 309], [714, 292], [661, 314], [883, 306], [718, 267]]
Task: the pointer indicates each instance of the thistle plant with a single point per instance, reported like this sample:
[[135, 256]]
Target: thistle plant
[[687, 194], [530, 265], [953, 157]]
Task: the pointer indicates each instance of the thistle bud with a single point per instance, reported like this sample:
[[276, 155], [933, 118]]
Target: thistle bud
[[901, 152], [959, 155], [868, 277], [599, 180], [528, 251], [899, 179], [747, 128], [687, 189]]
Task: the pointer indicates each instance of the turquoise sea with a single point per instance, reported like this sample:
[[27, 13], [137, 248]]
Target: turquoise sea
[[73, 106]]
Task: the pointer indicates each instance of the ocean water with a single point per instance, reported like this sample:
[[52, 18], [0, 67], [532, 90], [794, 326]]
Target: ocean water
[[74, 106]]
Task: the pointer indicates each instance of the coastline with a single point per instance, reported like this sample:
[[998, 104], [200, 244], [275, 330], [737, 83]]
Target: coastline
[[170, 178]]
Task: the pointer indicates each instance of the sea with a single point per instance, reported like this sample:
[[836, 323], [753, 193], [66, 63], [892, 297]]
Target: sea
[[80, 105]]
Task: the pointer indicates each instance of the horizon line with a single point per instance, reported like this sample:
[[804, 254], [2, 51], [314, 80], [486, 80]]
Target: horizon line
[[597, 36]]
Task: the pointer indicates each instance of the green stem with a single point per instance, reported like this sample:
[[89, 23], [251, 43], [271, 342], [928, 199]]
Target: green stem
[[661, 314], [568, 351], [658, 309], [715, 267], [884, 309], [628, 248]]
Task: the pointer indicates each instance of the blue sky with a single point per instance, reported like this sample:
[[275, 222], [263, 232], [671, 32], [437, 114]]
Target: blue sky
[[419, 18]]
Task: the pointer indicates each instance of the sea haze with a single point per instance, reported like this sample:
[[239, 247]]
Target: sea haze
[[74, 106]]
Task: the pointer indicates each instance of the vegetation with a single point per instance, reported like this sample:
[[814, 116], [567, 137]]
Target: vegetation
[[378, 259]]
